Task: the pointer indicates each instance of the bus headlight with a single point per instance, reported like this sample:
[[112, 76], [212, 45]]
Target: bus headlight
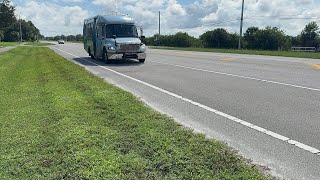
[[142, 47], [111, 48]]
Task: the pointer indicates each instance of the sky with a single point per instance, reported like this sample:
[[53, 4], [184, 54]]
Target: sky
[[56, 17]]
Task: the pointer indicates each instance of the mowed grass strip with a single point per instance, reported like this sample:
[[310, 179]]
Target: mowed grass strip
[[6, 44], [60, 122], [38, 44], [311, 55]]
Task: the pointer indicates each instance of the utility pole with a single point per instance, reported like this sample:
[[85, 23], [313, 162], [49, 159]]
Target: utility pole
[[159, 29], [241, 24]]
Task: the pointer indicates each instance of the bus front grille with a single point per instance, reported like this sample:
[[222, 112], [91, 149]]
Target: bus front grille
[[129, 47]]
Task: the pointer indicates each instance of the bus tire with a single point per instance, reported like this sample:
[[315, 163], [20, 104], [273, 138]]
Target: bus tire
[[91, 55], [142, 60], [105, 57]]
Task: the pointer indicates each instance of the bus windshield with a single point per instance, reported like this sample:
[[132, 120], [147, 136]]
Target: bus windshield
[[121, 30]]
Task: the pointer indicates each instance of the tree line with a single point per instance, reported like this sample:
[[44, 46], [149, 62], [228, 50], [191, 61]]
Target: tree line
[[268, 38], [78, 37], [10, 25]]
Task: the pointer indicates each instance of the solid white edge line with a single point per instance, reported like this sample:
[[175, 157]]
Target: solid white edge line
[[234, 119], [239, 76]]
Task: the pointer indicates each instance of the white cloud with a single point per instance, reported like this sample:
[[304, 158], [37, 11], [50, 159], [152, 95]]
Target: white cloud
[[113, 5], [53, 19], [73, 0], [175, 8], [145, 12], [195, 18]]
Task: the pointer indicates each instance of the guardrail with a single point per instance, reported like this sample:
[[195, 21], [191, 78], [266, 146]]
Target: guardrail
[[303, 49]]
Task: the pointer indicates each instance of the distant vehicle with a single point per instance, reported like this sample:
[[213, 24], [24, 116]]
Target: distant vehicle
[[60, 41], [113, 36]]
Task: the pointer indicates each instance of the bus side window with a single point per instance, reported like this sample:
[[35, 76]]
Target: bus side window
[[104, 31], [108, 32]]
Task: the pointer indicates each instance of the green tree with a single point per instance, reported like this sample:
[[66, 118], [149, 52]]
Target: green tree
[[181, 40], [233, 41], [271, 38], [1, 35], [7, 17], [29, 31], [296, 41], [219, 38], [79, 37], [250, 36], [149, 41], [310, 35], [12, 35], [10, 26]]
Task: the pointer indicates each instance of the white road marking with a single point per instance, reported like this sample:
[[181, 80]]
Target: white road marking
[[234, 119], [239, 76]]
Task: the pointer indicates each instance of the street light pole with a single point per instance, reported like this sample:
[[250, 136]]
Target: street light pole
[[241, 24]]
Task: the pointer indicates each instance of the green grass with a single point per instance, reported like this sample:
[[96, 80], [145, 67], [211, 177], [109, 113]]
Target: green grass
[[60, 122], [38, 44], [6, 44], [254, 52]]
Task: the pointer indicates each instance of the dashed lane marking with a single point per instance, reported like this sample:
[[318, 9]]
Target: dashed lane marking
[[239, 76], [227, 59]]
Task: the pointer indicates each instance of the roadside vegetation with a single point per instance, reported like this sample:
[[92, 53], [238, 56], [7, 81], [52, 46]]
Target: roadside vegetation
[[254, 38], [60, 122], [6, 44], [244, 51], [70, 38], [36, 43], [10, 25]]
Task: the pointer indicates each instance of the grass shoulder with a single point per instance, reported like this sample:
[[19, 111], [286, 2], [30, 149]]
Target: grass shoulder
[[61, 122], [253, 52], [38, 44], [7, 44]]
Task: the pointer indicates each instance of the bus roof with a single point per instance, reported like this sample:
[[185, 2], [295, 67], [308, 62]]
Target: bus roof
[[111, 19]]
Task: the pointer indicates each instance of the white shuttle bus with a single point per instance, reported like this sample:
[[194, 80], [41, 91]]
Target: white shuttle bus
[[113, 36]]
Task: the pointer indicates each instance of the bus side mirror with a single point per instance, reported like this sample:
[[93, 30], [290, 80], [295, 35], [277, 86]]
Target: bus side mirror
[[142, 37]]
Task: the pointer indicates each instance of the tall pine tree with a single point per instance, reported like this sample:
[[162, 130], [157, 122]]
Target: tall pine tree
[[7, 17]]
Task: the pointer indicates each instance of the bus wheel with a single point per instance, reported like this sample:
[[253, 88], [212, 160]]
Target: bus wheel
[[142, 60], [91, 55], [105, 57]]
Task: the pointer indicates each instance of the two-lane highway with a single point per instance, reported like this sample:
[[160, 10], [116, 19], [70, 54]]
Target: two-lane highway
[[266, 107]]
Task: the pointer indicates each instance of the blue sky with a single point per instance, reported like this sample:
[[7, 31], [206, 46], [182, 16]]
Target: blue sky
[[54, 17]]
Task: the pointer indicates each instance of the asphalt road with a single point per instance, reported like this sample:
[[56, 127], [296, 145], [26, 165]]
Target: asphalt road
[[266, 107]]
